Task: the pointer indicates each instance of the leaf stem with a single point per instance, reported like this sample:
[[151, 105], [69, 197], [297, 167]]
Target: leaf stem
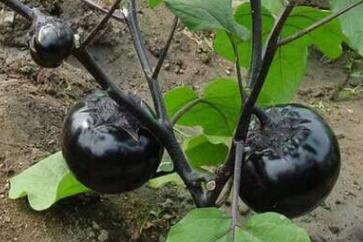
[[117, 17], [187, 107], [318, 24], [160, 63], [238, 66], [101, 24]]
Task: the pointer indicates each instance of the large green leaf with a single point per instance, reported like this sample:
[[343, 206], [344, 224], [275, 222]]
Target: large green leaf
[[272, 227], [352, 23], [202, 150], [216, 112], [212, 225], [207, 15], [45, 183], [289, 65]]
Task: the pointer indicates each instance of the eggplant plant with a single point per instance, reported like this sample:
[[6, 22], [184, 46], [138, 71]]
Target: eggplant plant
[[282, 159]]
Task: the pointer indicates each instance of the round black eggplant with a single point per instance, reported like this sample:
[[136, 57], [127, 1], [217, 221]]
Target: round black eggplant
[[106, 148], [51, 41], [294, 162]]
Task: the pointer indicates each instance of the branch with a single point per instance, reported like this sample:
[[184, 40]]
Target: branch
[[92, 4], [318, 24], [256, 41], [94, 32], [145, 63], [236, 185], [20, 8]]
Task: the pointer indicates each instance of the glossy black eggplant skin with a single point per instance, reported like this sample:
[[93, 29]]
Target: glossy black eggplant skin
[[294, 181], [51, 42], [106, 148]]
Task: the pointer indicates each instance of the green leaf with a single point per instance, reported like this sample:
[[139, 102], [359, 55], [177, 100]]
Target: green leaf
[[154, 3], [159, 182], [290, 62], [177, 98], [211, 225], [200, 225], [274, 6], [45, 183], [352, 23], [218, 109], [205, 150], [275, 227], [207, 15]]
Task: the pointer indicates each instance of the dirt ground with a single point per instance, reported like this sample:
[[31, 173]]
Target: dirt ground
[[33, 102]]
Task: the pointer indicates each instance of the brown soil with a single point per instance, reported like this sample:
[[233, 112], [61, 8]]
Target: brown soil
[[33, 102]]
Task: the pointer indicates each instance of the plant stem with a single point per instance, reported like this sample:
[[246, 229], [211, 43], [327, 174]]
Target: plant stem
[[236, 184], [160, 63], [145, 63], [92, 4], [272, 45], [318, 24], [20, 8], [245, 118], [94, 32], [256, 40]]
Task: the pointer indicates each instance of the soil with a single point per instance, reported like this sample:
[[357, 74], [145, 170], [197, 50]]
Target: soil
[[33, 103]]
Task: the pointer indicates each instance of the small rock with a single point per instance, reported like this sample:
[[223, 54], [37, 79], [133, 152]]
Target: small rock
[[357, 186], [95, 225], [338, 202], [103, 235]]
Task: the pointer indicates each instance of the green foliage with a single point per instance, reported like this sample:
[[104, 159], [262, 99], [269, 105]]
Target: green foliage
[[352, 23], [289, 66], [154, 3], [45, 183], [163, 180], [217, 109], [212, 225], [207, 15], [206, 151], [274, 6]]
